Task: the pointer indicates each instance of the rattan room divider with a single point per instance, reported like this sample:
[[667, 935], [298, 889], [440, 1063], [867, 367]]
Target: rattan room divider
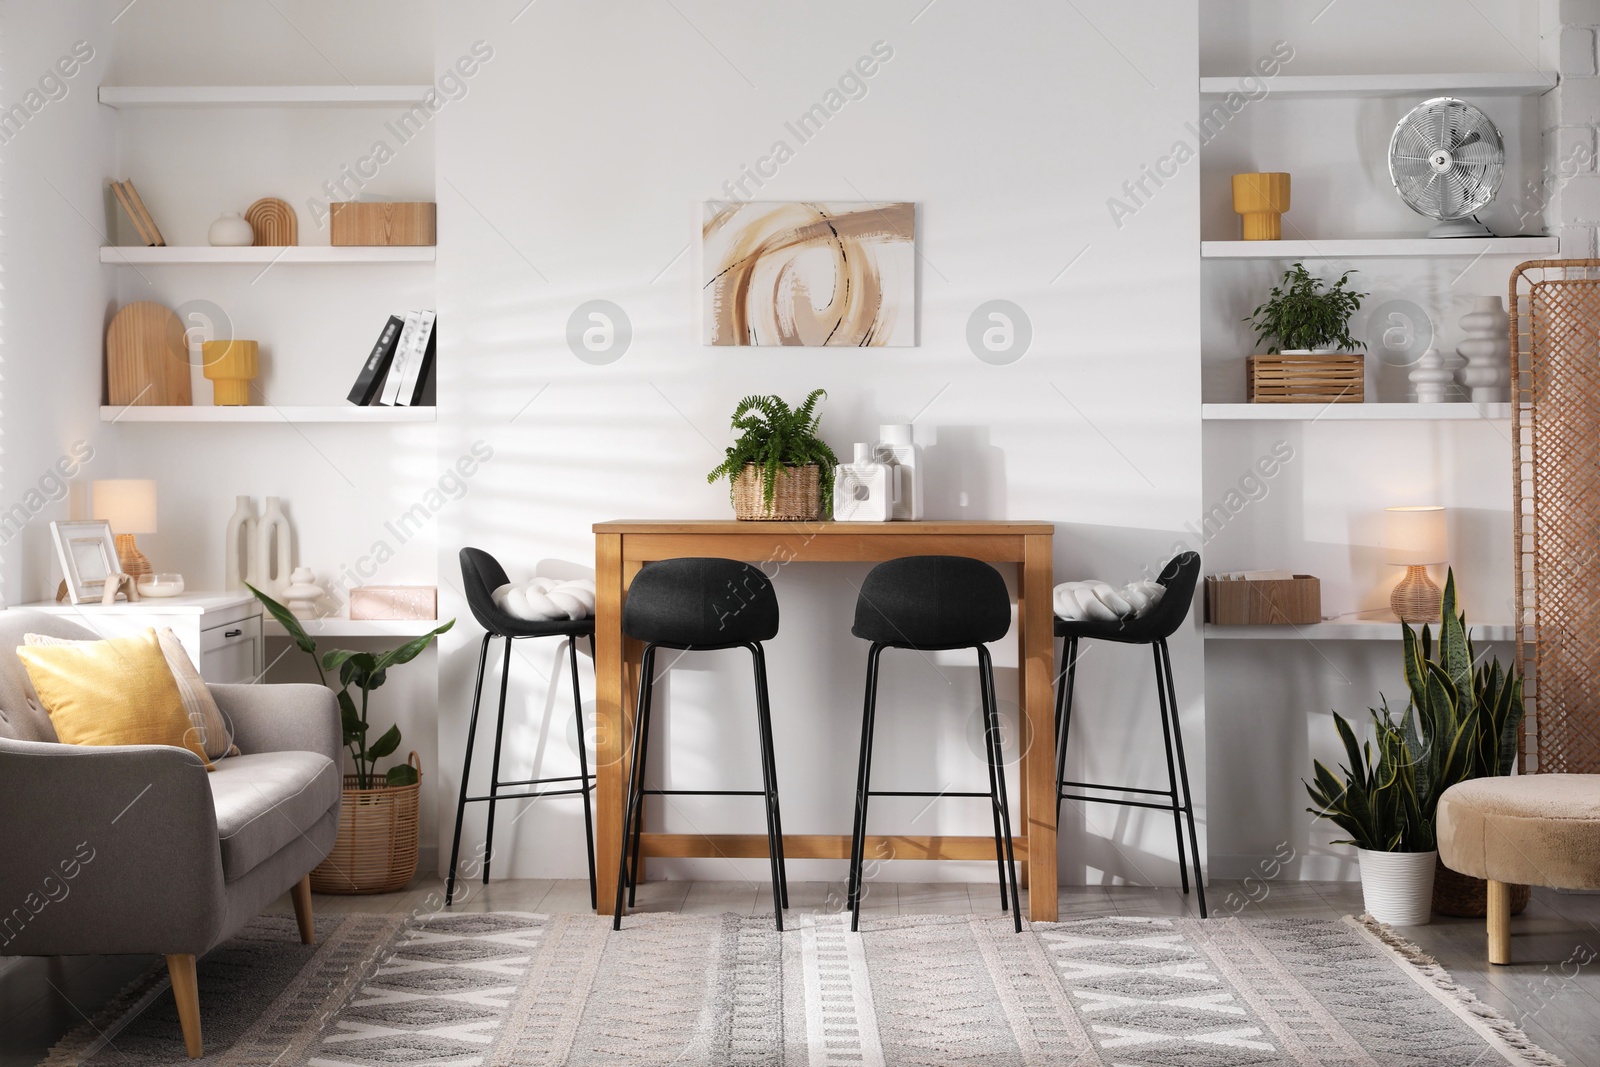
[[1555, 432]]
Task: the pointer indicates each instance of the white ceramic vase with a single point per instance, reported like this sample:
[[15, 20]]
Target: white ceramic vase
[[231, 231], [300, 596], [1431, 378], [239, 550], [1487, 350], [273, 549], [1397, 887]]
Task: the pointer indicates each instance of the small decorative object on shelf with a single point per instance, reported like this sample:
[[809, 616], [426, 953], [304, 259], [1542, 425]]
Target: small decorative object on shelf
[[230, 366], [273, 222], [1257, 598], [1446, 161], [1309, 324], [863, 489], [88, 557], [1417, 536], [230, 231], [897, 451], [1487, 351], [361, 222], [131, 203], [1430, 378], [302, 593], [1260, 200], [394, 602], [119, 584], [147, 358], [272, 563], [160, 586], [129, 505], [239, 566], [778, 468]]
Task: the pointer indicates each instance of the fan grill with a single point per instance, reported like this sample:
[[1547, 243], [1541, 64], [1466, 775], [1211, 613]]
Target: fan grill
[[1446, 159]]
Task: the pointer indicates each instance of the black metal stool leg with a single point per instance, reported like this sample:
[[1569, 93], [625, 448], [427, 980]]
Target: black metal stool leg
[[1172, 777], [635, 773], [863, 783], [1183, 777], [583, 760], [769, 787], [986, 672], [1069, 654], [764, 709], [494, 774], [466, 769], [636, 869], [994, 787]]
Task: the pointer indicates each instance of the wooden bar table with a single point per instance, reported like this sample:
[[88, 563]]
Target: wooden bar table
[[622, 547]]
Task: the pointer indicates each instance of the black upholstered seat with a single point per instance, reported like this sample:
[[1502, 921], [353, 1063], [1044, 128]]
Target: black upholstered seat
[[481, 575], [933, 602], [700, 603], [1179, 577]]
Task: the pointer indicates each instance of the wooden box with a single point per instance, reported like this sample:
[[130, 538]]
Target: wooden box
[[394, 602], [1331, 378], [361, 222], [1243, 602]]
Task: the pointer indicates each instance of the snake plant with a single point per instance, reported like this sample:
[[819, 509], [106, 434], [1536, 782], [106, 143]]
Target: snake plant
[[773, 435]]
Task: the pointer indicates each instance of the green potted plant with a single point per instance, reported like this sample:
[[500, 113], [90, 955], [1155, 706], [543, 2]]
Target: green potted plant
[[1302, 314], [778, 468], [376, 848]]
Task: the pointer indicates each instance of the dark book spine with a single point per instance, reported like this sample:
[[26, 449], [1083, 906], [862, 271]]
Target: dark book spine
[[371, 377], [425, 373]]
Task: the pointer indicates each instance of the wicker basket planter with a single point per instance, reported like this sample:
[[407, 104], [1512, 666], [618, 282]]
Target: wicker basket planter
[[1330, 378], [1462, 895], [376, 850], [796, 496]]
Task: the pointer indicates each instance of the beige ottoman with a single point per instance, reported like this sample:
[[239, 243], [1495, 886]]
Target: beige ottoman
[[1535, 829]]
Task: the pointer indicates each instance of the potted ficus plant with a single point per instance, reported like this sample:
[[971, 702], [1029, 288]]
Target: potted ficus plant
[[778, 468], [1303, 314], [376, 848]]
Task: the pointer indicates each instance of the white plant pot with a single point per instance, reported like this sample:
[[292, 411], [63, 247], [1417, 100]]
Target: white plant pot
[[1397, 887]]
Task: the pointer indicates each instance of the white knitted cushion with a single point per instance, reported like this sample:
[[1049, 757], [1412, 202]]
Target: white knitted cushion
[[1093, 601], [546, 599]]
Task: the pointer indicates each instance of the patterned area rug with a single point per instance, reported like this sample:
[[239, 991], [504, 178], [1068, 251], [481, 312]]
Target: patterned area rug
[[475, 990]]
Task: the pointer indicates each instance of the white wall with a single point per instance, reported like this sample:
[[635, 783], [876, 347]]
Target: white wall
[[573, 172]]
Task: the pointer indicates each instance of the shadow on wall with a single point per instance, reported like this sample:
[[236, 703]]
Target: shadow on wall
[[966, 475]]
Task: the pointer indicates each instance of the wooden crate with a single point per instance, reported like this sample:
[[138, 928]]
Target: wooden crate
[[1297, 600], [1331, 378], [361, 222]]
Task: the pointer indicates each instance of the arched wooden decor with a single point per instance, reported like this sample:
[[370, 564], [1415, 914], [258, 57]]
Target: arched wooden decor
[[274, 222], [1555, 433], [147, 358]]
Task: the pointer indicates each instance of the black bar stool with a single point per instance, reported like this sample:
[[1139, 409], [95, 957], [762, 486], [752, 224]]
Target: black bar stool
[[929, 604], [481, 574], [699, 605], [1179, 577]]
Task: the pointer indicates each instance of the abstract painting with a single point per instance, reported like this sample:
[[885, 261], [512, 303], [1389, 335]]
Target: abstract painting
[[812, 274]]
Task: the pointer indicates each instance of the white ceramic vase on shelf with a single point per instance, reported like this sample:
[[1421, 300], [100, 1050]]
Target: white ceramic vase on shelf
[[1431, 378], [1487, 350], [862, 489], [273, 550], [231, 231], [1397, 887], [300, 596], [239, 550]]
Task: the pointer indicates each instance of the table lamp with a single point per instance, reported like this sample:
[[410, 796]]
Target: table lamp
[[1417, 536], [129, 505]]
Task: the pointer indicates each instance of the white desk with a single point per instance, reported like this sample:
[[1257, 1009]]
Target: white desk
[[220, 631]]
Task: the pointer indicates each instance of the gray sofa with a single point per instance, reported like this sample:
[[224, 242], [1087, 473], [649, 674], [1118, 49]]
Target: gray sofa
[[137, 849]]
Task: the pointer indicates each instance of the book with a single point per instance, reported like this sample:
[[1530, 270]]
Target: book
[[370, 380], [402, 352], [133, 215], [152, 231], [418, 361]]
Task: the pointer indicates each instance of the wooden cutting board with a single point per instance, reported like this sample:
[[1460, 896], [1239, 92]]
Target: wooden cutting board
[[147, 361]]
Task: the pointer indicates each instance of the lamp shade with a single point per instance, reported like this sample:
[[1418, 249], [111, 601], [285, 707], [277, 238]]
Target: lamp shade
[[128, 504], [1417, 534]]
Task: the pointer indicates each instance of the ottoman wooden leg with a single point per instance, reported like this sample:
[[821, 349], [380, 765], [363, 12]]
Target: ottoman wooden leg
[[1499, 921]]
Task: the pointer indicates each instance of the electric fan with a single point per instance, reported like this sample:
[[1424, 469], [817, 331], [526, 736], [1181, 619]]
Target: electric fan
[[1446, 160]]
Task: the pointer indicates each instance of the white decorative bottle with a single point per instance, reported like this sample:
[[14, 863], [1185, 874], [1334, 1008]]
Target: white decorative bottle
[[300, 596], [272, 550], [898, 452], [862, 490], [1431, 378], [230, 231], [1487, 350], [239, 550]]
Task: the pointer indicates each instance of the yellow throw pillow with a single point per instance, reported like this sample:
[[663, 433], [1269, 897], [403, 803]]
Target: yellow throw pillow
[[216, 737], [116, 692]]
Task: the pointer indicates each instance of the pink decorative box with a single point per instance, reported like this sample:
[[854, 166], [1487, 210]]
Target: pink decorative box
[[394, 602]]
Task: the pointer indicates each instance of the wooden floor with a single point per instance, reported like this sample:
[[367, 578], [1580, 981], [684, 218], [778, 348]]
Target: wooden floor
[[1553, 992]]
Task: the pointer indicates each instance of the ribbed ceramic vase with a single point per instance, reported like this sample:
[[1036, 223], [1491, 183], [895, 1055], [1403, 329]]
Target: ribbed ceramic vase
[[1397, 887], [1487, 350]]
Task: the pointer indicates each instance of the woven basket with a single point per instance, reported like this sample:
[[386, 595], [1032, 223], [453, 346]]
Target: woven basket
[[1460, 894], [376, 850], [797, 496]]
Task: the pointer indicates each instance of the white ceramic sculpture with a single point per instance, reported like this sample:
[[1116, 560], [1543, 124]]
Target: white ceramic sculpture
[[1487, 350], [231, 231], [862, 489], [273, 546], [239, 550], [300, 596], [1431, 378], [899, 453]]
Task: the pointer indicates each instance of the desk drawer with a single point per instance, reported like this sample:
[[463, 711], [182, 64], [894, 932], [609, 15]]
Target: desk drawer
[[231, 652]]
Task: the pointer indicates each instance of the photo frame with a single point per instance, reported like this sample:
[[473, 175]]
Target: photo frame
[[88, 555]]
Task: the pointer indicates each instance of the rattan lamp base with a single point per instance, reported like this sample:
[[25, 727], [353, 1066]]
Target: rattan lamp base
[[1416, 598], [133, 561]]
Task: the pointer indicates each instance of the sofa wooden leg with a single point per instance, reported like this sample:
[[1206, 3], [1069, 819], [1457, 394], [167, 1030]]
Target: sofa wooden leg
[[1499, 922], [302, 911], [186, 991]]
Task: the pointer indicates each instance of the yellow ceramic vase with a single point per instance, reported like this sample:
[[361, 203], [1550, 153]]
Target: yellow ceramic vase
[[231, 366], [1261, 200]]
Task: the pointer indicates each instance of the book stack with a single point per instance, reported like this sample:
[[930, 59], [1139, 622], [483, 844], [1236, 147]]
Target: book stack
[[129, 198], [399, 370]]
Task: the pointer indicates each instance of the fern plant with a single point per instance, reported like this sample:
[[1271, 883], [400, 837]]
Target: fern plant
[[773, 435], [1303, 312]]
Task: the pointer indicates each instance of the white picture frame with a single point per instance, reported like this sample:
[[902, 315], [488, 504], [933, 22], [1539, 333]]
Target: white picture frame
[[88, 555]]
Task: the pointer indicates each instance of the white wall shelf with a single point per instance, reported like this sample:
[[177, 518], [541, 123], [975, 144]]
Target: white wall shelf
[[1524, 83], [1416, 247], [140, 255], [267, 413], [125, 96], [342, 627], [1353, 630], [1463, 412]]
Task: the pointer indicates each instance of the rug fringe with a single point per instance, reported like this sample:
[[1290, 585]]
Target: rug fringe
[[1503, 1028], [84, 1041]]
